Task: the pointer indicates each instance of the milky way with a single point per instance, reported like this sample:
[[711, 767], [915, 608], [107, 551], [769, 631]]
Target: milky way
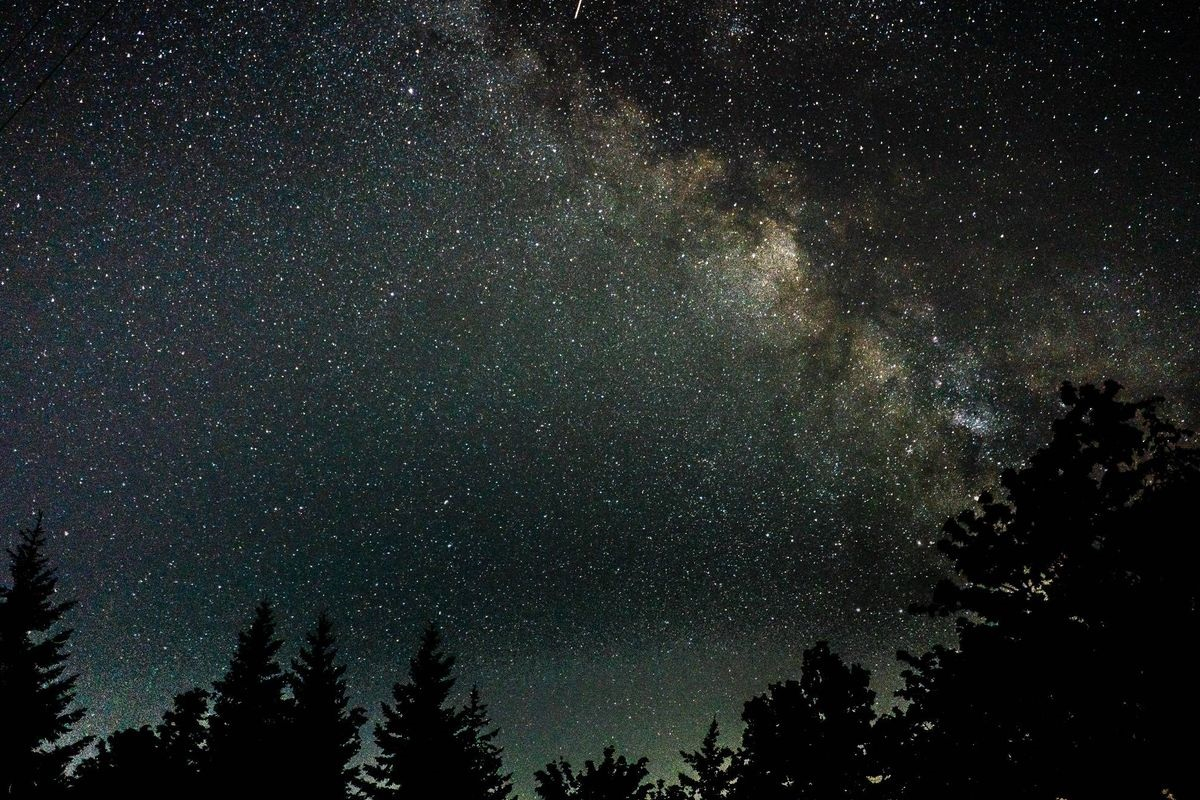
[[639, 349]]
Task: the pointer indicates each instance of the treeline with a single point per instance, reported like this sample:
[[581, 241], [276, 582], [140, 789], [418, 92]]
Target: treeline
[[1074, 594]]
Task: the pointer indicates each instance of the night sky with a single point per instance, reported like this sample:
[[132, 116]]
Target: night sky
[[638, 350]]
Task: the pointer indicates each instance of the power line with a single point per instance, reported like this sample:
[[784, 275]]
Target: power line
[[49, 75], [17, 45]]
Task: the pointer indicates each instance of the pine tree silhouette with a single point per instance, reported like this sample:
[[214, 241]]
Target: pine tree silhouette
[[416, 740], [325, 727], [808, 739], [36, 693], [478, 741], [426, 747], [614, 778], [712, 779], [250, 726]]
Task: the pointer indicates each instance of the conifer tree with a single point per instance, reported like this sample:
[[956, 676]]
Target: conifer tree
[[419, 752], [250, 725], [36, 692], [478, 740], [426, 747], [325, 727], [712, 779]]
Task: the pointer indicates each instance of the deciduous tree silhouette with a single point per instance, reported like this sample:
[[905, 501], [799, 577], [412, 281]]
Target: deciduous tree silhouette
[[325, 727], [664, 791], [128, 764], [712, 779], [614, 778], [140, 763], [808, 739], [183, 740], [426, 747], [250, 726], [36, 693], [1075, 603]]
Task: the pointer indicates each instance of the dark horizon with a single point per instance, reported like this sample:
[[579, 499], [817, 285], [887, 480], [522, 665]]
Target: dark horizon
[[1047, 688]]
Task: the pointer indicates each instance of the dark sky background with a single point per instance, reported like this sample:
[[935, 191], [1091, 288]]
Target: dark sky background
[[638, 350]]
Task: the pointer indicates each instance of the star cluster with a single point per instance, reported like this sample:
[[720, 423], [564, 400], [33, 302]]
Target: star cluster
[[639, 350]]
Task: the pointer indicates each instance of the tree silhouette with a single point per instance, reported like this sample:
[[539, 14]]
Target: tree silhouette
[[416, 741], [1075, 605], [712, 779], [614, 778], [36, 693], [325, 729], [808, 739], [557, 782], [145, 763], [1074, 600], [183, 742], [250, 725], [127, 764], [478, 740], [426, 747], [664, 791]]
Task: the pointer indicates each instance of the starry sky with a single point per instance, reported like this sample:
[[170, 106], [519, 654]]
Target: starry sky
[[639, 350]]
